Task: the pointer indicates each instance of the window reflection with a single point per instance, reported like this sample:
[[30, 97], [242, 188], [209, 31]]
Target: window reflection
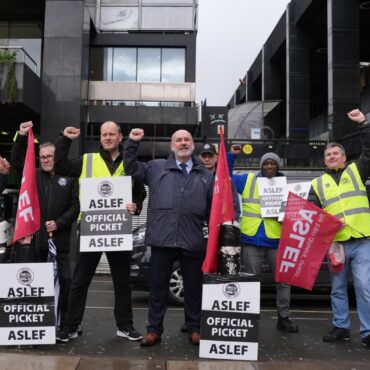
[[124, 64], [173, 65], [149, 65]]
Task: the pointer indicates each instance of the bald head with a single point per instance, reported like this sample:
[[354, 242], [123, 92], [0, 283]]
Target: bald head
[[182, 145], [110, 137]]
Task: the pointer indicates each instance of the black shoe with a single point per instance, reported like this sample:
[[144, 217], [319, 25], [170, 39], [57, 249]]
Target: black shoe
[[183, 328], [366, 341], [128, 332], [337, 335], [64, 335], [79, 330], [285, 324]]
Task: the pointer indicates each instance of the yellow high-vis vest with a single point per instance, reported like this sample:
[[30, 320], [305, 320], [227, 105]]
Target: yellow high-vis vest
[[251, 212], [347, 201], [93, 165]]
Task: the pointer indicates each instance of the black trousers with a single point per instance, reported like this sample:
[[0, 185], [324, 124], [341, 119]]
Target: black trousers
[[162, 260], [119, 263]]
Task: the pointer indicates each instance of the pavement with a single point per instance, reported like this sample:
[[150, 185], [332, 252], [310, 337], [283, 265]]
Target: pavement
[[99, 348]]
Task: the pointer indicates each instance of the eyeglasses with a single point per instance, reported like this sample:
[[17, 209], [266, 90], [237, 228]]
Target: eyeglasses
[[46, 157]]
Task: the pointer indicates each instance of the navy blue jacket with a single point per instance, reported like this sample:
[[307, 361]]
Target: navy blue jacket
[[178, 204]]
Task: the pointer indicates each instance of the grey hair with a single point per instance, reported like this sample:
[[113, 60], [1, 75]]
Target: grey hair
[[47, 144], [335, 145]]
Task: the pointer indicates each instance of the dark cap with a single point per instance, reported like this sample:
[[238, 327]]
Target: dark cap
[[208, 148]]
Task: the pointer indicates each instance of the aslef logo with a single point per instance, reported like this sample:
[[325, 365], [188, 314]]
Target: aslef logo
[[231, 290], [25, 276], [105, 189]]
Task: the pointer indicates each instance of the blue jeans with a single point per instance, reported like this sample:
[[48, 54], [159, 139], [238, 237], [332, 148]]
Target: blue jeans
[[357, 254]]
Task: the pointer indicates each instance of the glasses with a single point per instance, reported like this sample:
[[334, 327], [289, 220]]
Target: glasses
[[46, 157]]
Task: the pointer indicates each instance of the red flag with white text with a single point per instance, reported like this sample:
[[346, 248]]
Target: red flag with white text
[[222, 209], [306, 236], [28, 214]]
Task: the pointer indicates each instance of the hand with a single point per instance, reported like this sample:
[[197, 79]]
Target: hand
[[356, 115], [51, 226], [4, 166], [131, 207], [136, 134], [236, 149], [71, 132], [25, 127]]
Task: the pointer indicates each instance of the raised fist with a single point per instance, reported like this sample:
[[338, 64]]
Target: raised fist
[[235, 149], [25, 127], [4, 166], [136, 134], [356, 115], [71, 132]]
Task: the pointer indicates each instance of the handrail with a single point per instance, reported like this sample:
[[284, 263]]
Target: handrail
[[24, 53]]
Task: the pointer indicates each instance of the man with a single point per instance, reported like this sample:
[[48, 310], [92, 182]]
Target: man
[[4, 171], [260, 236], [107, 162], [341, 191], [209, 156], [180, 199], [59, 208]]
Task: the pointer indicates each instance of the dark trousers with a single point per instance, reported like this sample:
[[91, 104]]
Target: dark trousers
[[64, 276], [162, 260], [119, 263]]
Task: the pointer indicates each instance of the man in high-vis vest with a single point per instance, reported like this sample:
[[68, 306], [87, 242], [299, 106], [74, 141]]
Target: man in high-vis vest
[[341, 191], [106, 163], [260, 236]]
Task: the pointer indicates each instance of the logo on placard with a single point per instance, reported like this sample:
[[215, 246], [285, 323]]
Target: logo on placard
[[231, 290], [297, 188], [105, 189], [271, 182], [25, 276]]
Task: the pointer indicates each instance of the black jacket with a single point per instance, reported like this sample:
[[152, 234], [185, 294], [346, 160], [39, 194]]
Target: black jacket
[[3, 182], [73, 167], [58, 197], [178, 204]]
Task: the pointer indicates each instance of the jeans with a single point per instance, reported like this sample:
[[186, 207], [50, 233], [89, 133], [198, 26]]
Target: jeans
[[357, 259], [252, 260]]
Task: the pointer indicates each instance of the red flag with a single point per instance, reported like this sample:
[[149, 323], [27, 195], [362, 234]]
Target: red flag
[[222, 208], [305, 239], [28, 214]]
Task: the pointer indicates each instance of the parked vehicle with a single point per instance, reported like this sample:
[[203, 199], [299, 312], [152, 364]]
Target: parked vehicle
[[140, 269]]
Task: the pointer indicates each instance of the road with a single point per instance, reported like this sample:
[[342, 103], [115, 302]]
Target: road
[[311, 313]]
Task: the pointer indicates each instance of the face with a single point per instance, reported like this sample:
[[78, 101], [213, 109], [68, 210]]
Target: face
[[110, 137], [334, 158], [270, 168], [182, 145], [209, 160], [46, 155]]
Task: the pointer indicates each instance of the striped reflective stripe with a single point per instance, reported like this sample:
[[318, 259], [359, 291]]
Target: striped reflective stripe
[[354, 211], [89, 164], [250, 198], [251, 214], [254, 201]]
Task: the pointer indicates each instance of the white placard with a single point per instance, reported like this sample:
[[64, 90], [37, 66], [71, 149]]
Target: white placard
[[299, 188], [27, 304], [271, 192], [256, 133], [230, 320], [105, 224]]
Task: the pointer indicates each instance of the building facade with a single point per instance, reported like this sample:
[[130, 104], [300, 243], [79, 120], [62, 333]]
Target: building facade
[[83, 62]]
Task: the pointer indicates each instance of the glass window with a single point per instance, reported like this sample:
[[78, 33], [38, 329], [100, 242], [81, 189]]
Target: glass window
[[167, 18], [173, 65], [149, 65], [108, 65], [124, 64]]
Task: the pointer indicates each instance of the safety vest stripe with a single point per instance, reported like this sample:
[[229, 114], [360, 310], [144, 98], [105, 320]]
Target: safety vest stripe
[[251, 214], [349, 194], [89, 164], [254, 201], [351, 212]]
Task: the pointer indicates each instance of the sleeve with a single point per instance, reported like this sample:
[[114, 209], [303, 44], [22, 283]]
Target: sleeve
[[363, 163], [62, 164], [236, 202], [3, 182], [313, 198], [68, 217], [18, 154], [138, 195], [133, 167]]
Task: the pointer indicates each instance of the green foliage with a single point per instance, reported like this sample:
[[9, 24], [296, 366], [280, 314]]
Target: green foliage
[[7, 70]]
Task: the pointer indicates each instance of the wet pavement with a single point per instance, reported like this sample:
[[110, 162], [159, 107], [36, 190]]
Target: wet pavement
[[99, 348]]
